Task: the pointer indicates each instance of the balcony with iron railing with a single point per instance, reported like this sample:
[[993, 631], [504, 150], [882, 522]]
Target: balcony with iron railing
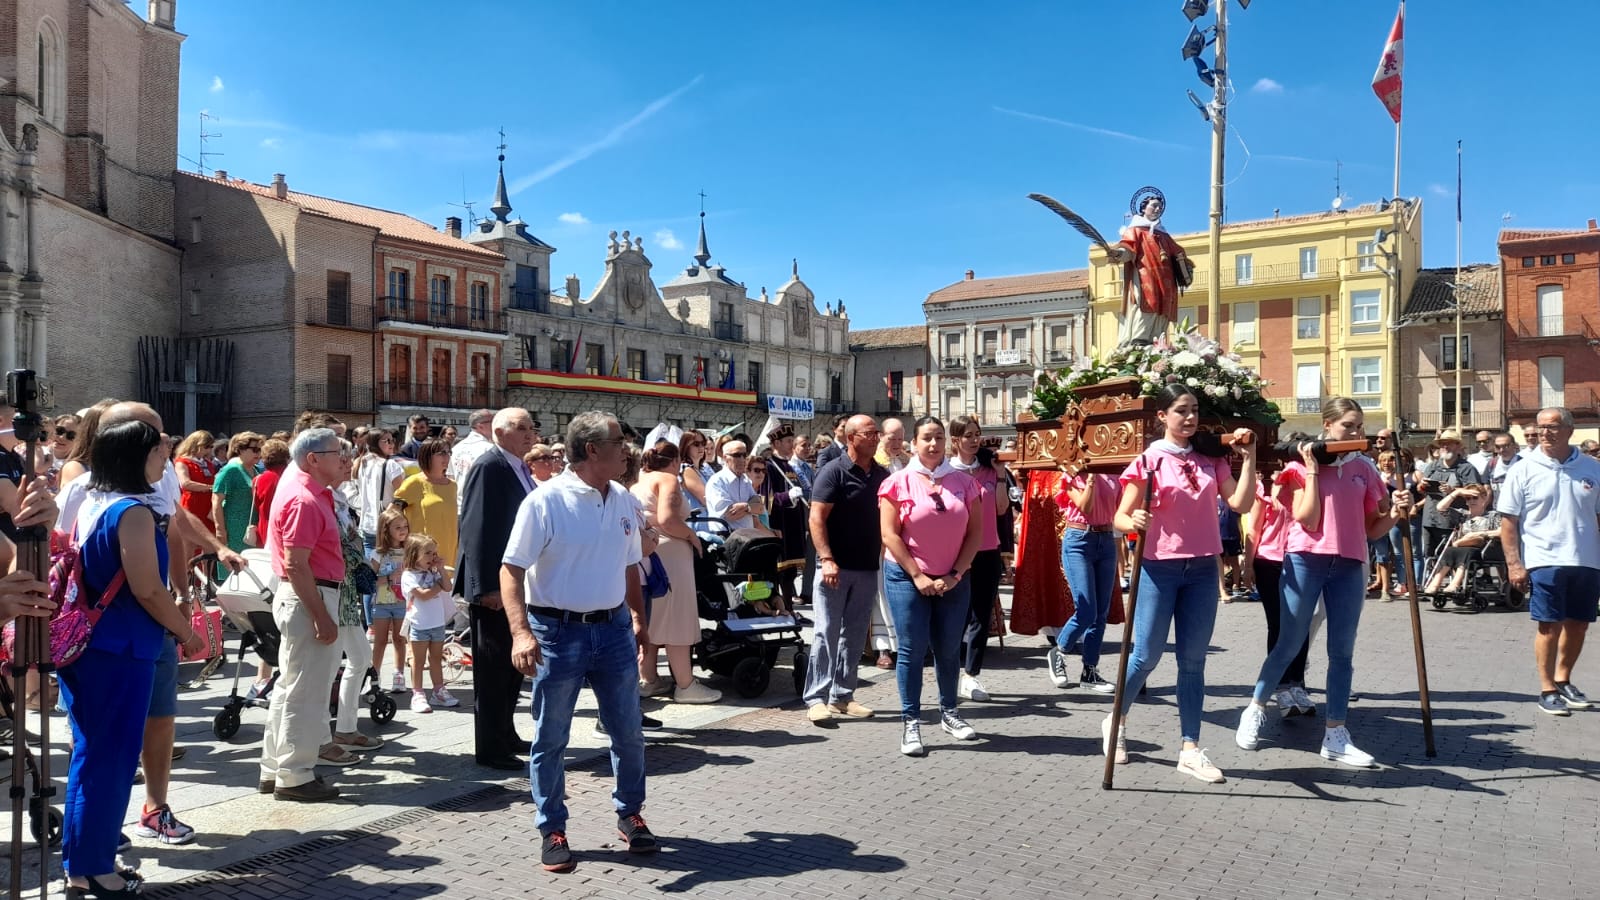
[[336, 397], [1471, 419], [418, 311], [535, 300], [1306, 406], [334, 312], [727, 331], [1058, 357], [1279, 273], [952, 363], [1580, 400], [1569, 325], [405, 393]]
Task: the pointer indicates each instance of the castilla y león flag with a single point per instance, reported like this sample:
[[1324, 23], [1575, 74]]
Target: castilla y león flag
[[1386, 82]]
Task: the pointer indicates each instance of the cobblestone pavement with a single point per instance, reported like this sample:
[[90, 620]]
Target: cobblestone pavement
[[764, 804]]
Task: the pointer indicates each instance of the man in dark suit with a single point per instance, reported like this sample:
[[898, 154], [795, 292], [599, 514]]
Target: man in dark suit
[[495, 487]]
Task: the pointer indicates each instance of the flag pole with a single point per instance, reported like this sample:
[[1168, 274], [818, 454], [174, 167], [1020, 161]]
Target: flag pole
[[1456, 293], [1395, 380]]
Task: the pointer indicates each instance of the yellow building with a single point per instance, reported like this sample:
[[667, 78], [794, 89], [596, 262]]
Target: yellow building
[[1308, 300]]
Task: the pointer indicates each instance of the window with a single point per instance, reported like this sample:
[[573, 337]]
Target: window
[[560, 356], [1366, 256], [1243, 269], [1547, 260], [338, 298], [1019, 338], [952, 344], [1527, 262], [439, 297], [194, 301], [988, 343], [1188, 315], [1447, 352], [636, 365], [443, 371], [1308, 388], [527, 344], [754, 377], [835, 389], [482, 364], [338, 396], [989, 403], [1060, 343], [724, 372], [1552, 381], [1308, 318], [952, 404], [50, 90], [1552, 321], [1021, 399], [1447, 406], [1308, 262], [525, 290], [594, 359], [1244, 322], [673, 372], [399, 292], [1364, 315], [1568, 259], [399, 373], [897, 390], [478, 301], [195, 231], [1366, 376]]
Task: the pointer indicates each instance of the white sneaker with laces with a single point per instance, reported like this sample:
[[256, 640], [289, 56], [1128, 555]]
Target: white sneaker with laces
[[1251, 721], [696, 693], [1122, 740], [419, 702], [1302, 700], [971, 688], [955, 726], [1284, 697], [911, 738], [1196, 763], [1337, 747], [442, 697], [397, 685]]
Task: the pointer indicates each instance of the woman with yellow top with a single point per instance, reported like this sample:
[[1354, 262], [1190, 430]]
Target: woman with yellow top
[[430, 497]]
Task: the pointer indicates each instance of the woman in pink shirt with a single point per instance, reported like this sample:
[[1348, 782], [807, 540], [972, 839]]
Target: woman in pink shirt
[[1089, 559], [1178, 574], [1338, 504], [931, 518]]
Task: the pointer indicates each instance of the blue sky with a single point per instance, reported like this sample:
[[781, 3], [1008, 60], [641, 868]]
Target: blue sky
[[888, 146]]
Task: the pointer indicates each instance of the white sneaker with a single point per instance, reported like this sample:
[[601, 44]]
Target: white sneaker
[[1122, 740], [398, 684], [1284, 697], [955, 726], [1337, 747], [1195, 762], [442, 697], [696, 693], [1251, 721], [419, 702], [971, 688], [1302, 701], [911, 738]]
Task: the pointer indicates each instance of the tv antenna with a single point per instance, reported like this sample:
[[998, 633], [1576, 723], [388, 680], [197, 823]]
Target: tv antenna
[[1506, 217], [205, 139], [1338, 185], [472, 220]]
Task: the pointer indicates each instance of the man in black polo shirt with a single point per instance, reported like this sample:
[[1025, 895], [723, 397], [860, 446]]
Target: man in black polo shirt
[[844, 528]]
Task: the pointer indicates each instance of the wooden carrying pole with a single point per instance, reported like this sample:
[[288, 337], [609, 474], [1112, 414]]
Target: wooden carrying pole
[[1416, 636], [1127, 638]]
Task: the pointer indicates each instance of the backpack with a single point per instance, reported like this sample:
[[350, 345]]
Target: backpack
[[76, 613]]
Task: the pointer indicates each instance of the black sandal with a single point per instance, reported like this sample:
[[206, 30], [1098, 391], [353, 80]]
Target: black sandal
[[99, 891]]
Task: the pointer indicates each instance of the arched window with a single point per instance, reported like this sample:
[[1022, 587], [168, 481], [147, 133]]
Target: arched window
[[50, 86]]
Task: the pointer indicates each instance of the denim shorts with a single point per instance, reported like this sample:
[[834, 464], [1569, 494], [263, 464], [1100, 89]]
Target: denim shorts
[[1559, 593], [427, 635], [377, 612], [164, 693]]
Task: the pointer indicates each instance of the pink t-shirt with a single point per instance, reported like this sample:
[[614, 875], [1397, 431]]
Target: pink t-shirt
[[1350, 493], [933, 537], [1274, 526], [302, 517], [1104, 493], [987, 480], [1183, 510]]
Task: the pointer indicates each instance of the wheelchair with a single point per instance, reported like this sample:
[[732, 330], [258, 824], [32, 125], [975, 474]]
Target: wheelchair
[[1486, 581]]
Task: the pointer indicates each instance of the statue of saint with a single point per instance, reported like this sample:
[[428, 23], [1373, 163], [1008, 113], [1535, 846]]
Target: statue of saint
[[1155, 270]]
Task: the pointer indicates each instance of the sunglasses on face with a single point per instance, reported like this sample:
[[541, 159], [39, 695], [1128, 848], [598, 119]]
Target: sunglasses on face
[[736, 455], [66, 433]]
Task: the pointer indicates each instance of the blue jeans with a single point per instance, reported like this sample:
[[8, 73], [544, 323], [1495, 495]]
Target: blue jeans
[[1181, 593], [106, 696], [1089, 559], [605, 656], [1342, 585], [919, 621]]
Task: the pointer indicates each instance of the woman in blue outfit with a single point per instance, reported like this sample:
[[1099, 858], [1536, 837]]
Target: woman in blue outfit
[[106, 690]]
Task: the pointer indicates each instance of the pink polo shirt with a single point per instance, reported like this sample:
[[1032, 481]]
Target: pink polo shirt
[[1350, 493], [1274, 526], [988, 483], [933, 537], [302, 518], [1104, 495], [1183, 509]]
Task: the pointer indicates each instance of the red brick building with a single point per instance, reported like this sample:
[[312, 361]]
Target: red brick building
[[1552, 324]]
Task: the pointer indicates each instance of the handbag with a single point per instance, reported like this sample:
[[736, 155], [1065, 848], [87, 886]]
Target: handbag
[[73, 620], [209, 624]]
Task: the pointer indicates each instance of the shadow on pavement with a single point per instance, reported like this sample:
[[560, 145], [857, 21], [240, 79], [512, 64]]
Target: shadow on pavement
[[766, 855]]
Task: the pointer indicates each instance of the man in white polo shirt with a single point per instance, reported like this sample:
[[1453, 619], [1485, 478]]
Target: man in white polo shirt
[[1549, 531], [729, 494], [564, 583]]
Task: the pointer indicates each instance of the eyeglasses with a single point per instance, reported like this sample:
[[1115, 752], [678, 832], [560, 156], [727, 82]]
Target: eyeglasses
[[1189, 475], [541, 459], [64, 433], [735, 455], [938, 501]]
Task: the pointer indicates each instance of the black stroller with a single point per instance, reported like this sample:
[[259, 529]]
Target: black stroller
[[744, 644]]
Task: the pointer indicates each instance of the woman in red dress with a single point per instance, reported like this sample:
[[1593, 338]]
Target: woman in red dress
[[196, 462]]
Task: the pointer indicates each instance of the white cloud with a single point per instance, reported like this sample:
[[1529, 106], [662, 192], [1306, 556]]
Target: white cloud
[[666, 240], [216, 84], [271, 143], [573, 218], [610, 139], [1439, 190], [1266, 86]]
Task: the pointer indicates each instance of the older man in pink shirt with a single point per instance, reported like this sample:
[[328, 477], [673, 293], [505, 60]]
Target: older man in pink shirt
[[304, 544]]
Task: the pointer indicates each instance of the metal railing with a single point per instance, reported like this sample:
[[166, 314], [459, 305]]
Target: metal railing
[[536, 300], [440, 315], [405, 393], [952, 362], [1560, 326], [338, 313], [336, 397], [1307, 406], [727, 331], [1279, 273], [1058, 356], [1471, 419]]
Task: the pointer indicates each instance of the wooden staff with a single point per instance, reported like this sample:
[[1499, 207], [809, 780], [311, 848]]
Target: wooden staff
[[1127, 638], [1416, 636]]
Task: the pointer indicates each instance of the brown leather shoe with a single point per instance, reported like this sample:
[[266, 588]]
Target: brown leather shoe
[[267, 785], [314, 791]]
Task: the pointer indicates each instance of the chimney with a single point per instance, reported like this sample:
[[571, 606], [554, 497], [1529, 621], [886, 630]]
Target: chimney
[[452, 226], [970, 274], [280, 188], [1594, 226], [222, 174]]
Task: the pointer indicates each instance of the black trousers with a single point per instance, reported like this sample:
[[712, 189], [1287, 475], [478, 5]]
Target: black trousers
[[495, 685], [1269, 586], [987, 569]]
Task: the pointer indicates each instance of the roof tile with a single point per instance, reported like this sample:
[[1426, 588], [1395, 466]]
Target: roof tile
[[1433, 293], [883, 338], [1012, 286]]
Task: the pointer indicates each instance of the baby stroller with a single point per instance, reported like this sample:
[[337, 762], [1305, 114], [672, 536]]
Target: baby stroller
[[743, 645], [246, 600], [1485, 580]]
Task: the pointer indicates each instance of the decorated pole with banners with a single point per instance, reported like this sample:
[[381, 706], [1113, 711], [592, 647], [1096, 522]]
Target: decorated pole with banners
[[1387, 82]]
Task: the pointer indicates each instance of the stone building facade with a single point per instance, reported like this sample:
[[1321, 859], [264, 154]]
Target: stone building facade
[[893, 372], [88, 146], [1428, 398]]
